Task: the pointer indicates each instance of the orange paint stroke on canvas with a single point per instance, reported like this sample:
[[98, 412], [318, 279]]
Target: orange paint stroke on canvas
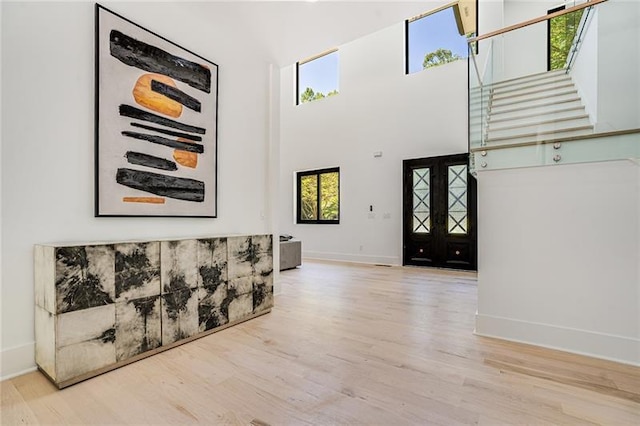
[[146, 97], [186, 158], [148, 200]]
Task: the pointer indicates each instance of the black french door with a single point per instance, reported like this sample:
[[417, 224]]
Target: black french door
[[439, 213]]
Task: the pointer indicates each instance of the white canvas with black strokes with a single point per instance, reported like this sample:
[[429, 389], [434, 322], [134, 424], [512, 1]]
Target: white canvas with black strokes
[[138, 326], [137, 270], [157, 124], [212, 284], [84, 277], [179, 265]]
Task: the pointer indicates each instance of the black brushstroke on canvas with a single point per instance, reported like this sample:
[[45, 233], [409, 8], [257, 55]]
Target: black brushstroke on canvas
[[133, 270], [140, 159], [79, 288], [176, 94], [137, 113], [153, 59], [184, 146], [166, 186], [169, 132]]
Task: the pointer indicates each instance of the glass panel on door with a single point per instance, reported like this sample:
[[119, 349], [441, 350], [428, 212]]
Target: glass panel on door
[[458, 217], [421, 201]]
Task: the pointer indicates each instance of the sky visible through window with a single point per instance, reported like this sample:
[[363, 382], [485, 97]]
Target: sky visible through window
[[320, 74], [431, 33], [428, 34]]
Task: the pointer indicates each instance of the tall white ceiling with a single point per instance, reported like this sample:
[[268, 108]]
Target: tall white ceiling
[[290, 30]]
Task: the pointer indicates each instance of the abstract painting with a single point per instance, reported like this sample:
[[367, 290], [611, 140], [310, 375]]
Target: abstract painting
[[156, 124]]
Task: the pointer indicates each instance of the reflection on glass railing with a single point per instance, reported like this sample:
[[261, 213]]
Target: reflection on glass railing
[[556, 79]]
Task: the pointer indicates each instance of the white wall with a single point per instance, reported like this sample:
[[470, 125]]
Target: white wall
[[48, 145], [379, 108], [618, 63], [525, 50], [584, 70], [558, 257]]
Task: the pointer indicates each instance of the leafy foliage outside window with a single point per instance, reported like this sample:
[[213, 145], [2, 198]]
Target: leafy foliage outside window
[[439, 57], [434, 39], [319, 196], [317, 78], [309, 95], [562, 31]]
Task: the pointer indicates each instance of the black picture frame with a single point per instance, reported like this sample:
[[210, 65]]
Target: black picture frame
[[156, 124]]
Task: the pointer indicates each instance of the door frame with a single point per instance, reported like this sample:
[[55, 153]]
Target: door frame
[[472, 234]]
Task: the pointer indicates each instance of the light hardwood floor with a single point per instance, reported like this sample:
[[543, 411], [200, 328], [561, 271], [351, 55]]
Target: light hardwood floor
[[346, 344]]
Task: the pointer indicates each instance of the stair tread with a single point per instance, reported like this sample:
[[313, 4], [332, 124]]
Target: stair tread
[[527, 80], [542, 105], [499, 102], [531, 83], [528, 91], [535, 75], [539, 123], [535, 134]]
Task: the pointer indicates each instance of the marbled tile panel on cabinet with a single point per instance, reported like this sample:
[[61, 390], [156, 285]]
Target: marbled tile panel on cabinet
[[84, 277], [137, 270], [179, 315], [178, 265], [138, 326]]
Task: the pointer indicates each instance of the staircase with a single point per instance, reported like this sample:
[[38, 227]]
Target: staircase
[[530, 109]]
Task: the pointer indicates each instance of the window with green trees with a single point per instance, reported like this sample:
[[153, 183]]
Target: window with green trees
[[317, 77], [562, 30], [318, 196], [438, 37]]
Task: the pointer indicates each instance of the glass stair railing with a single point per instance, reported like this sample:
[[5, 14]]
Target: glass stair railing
[[579, 103]]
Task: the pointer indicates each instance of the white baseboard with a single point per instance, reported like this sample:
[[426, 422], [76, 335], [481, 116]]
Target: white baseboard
[[17, 361], [620, 349], [353, 258]]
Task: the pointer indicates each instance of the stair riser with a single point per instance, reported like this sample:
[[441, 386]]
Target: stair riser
[[498, 107], [515, 120], [531, 78], [558, 126], [530, 85]]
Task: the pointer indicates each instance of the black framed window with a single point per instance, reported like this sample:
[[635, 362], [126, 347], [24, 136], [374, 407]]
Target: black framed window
[[318, 196], [317, 77], [440, 36]]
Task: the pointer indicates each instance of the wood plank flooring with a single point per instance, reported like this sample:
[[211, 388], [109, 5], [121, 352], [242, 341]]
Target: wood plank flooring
[[346, 344]]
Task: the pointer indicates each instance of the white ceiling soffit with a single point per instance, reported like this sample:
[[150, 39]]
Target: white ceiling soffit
[[288, 31]]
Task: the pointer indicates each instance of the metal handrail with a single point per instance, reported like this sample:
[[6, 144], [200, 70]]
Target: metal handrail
[[536, 20], [578, 39]]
